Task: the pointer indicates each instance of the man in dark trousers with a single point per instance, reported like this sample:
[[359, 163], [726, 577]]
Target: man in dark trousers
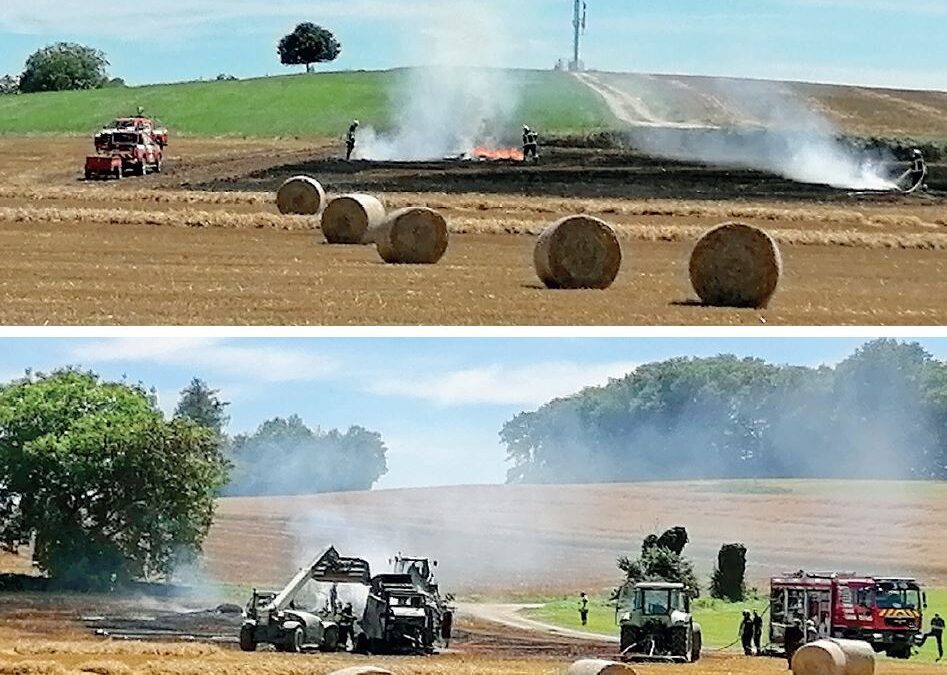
[[746, 633], [350, 140], [584, 608], [757, 632], [530, 144], [936, 632], [793, 639]]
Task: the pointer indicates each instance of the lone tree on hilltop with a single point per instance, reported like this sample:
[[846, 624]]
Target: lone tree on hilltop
[[64, 66], [308, 44]]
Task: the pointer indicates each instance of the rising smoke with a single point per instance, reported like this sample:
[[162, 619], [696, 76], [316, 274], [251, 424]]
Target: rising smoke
[[775, 132], [461, 97]]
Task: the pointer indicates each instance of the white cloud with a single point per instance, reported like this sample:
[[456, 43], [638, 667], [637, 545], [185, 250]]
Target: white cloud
[[529, 385], [269, 363]]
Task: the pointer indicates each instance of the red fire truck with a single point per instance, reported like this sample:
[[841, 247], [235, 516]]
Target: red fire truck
[[884, 611]]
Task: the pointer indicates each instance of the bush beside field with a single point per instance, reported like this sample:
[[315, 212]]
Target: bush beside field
[[293, 105], [719, 620]]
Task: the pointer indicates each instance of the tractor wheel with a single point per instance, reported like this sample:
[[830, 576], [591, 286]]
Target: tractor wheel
[[247, 643], [330, 639], [696, 644], [679, 642], [296, 641], [361, 644], [629, 636]]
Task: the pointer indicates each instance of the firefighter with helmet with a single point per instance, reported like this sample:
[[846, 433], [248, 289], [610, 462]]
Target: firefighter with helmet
[[793, 639], [917, 174], [936, 632], [350, 140], [530, 144]]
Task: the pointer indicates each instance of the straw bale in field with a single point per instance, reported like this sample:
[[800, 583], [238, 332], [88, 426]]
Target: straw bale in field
[[736, 265], [859, 656], [301, 195], [362, 670], [349, 219], [413, 235], [578, 252], [821, 657], [599, 667]]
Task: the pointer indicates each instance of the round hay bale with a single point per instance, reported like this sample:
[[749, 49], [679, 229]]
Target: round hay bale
[[362, 670], [578, 252], [412, 236], [350, 218], [821, 657], [859, 656], [599, 667], [301, 195], [736, 265]]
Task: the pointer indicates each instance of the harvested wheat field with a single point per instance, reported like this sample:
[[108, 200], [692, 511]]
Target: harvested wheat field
[[502, 539], [204, 243]]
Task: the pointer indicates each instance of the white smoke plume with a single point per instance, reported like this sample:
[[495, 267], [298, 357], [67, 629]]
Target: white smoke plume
[[461, 97], [778, 133]]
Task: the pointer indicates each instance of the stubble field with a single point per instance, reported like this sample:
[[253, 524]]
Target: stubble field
[[203, 242]]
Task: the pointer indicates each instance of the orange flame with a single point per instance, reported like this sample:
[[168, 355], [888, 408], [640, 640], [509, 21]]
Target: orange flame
[[498, 153]]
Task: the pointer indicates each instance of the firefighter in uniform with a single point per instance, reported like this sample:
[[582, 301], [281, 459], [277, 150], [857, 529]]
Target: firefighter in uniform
[[346, 622], [350, 140], [530, 144], [936, 632], [914, 178], [583, 608], [746, 634], [757, 632], [793, 639]]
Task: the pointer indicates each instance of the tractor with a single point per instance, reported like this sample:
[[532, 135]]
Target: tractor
[[656, 623]]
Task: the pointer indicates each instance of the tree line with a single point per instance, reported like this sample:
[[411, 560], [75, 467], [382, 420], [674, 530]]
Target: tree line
[[105, 488], [881, 414]]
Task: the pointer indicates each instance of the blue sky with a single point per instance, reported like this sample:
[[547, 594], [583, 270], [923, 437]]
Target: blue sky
[[439, 403], [873, 42]]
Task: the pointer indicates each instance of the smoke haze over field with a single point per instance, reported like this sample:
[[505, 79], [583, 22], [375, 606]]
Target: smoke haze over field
[[462, 99]]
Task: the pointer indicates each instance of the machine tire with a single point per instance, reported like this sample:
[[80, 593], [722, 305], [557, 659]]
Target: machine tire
[[330, 639], [157, 167], [247, 643], [899, 652], [697, 642], [141, 169], [679, 642], [88, 175], [296, 640], [629, 636], [119, 173], [361, 644]]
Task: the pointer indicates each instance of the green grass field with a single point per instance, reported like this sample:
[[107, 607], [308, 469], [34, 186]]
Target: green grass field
[[719, 620], [294, 105]]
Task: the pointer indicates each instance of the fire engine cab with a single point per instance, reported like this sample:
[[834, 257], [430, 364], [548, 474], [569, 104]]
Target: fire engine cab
[[883, 611]]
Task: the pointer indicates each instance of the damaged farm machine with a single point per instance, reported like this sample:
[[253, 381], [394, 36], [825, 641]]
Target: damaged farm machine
[[656, 623], [132, 145], [403, 612]]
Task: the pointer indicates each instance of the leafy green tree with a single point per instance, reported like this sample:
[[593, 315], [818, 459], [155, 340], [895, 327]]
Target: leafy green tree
[[285, 457], [9, 84], [201, 404], [308, 44], [64, 66], [659, 563], [106, 489]]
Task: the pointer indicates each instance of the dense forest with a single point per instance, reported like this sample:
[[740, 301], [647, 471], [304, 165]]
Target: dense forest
[[880, 413]]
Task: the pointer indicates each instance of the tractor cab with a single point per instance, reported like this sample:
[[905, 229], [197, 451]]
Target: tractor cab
[[656, 624]]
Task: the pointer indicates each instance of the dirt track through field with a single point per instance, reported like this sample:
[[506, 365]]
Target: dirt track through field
[[158, 251]]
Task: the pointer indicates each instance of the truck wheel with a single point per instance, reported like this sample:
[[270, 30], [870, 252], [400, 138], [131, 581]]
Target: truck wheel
[[157, 166], [296, 641], [88, 174], [140, 169], [330, 639], [119, 173], [696, 644], [361, 644], [247, 643]]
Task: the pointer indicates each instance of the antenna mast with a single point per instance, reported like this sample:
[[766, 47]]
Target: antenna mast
[[579, 17]]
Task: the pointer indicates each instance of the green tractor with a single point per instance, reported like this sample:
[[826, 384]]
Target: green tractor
[[656, 623]]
